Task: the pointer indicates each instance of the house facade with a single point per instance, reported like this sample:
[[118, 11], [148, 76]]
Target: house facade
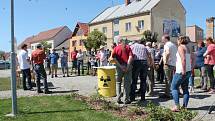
[[79, 35], [195, 33], [53, 37], [131, 19]]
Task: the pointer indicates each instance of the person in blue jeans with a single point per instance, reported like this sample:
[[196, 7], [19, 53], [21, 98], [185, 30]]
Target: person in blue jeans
[[54, 63], [199, 59], [182, 74], [64, 62]]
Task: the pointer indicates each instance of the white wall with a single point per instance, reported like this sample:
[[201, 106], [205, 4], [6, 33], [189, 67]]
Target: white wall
[[168, 10]]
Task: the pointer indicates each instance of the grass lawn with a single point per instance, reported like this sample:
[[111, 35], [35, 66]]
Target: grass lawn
[[5, 84], [53, 108]]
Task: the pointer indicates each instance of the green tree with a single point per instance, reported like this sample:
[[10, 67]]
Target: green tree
[[149, 36], [88, 45], [46, 45], [94, 40]]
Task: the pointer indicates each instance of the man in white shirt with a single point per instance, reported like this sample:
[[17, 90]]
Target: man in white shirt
[[80, 63], [169, 59], [103, 57], [24, 64]]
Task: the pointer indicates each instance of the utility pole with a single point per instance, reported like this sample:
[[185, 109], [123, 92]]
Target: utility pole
[[13, 65]]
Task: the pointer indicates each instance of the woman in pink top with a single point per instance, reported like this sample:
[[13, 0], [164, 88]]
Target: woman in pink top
[[210, 61]]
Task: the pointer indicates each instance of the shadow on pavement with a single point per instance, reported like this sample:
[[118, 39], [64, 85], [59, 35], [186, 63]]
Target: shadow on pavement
[[205, 108], [199, 96], [69, 91]]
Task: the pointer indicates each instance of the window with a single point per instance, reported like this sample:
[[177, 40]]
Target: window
[[81, 42], [116, 33], [128, 26], [141, 24], [74, 43], [104, 30], [116, 21], [32, 47]]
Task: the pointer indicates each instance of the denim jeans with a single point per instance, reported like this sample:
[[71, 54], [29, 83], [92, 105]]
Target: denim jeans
[[211, 76], [126, 83], [178, 81], [80, 66], [26, 73], [65, 68], [191, 79], [139, 69], [41, 74]]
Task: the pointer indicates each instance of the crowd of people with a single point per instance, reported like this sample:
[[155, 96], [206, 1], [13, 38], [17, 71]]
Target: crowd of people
[[167, 63], [173, 64]]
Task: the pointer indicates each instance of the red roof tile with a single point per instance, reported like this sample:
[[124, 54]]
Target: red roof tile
[[47, 35], [82, 26]]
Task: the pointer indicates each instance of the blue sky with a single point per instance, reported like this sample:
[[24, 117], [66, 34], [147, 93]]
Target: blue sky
[[33, 16]]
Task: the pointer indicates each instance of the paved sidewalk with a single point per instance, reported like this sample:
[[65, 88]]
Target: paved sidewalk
[[86, 85], [5, 73]]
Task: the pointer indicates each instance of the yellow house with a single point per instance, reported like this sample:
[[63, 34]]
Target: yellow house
[[131, 19], [79, 35]]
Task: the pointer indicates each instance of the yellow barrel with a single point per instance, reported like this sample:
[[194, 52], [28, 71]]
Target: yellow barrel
[[107, 81]]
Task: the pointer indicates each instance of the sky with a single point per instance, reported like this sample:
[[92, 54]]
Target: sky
[[34, 16]]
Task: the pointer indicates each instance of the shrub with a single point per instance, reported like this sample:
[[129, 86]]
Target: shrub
[[159, 113]]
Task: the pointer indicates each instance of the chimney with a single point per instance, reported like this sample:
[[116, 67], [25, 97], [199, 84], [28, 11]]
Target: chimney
[[127, 2]]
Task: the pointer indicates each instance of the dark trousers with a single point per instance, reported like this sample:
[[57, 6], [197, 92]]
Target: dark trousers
[[80, 66], [41, 74], [139, 69], [26, 74], [211, 76], [160, 73], [74, 66], [88, 67]]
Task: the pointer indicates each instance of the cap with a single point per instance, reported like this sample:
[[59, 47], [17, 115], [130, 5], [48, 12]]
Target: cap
[[39, 45]]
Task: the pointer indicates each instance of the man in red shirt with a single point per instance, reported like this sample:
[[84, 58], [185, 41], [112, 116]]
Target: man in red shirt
[[122, 55], [74, 60], [38, 56]]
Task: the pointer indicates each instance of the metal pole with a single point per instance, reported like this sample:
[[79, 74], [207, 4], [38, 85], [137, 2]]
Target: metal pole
[[13, 63]]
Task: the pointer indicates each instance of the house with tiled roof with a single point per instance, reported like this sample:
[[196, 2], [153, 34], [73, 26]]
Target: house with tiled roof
[[54, 37], [131, 19], [80, 34]]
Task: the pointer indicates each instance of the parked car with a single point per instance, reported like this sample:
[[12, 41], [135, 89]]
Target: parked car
[[4, 64]]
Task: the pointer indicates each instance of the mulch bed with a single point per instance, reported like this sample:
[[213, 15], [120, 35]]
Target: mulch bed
[[124, 112]]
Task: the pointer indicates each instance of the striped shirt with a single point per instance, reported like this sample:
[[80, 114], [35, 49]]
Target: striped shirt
[[139, 51]]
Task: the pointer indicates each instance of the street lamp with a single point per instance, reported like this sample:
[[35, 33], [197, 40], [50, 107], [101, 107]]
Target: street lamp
[[13, 65]]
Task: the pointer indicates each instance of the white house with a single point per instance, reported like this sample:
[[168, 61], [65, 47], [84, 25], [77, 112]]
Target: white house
[[54, 37]]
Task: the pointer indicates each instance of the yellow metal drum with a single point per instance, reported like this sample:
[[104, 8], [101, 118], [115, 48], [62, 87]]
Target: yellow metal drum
[[107, 81]]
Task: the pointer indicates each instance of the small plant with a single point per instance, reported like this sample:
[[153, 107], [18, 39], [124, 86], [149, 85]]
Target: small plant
[[136, 111], [159, 113], [96, 97], [108, 105]]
